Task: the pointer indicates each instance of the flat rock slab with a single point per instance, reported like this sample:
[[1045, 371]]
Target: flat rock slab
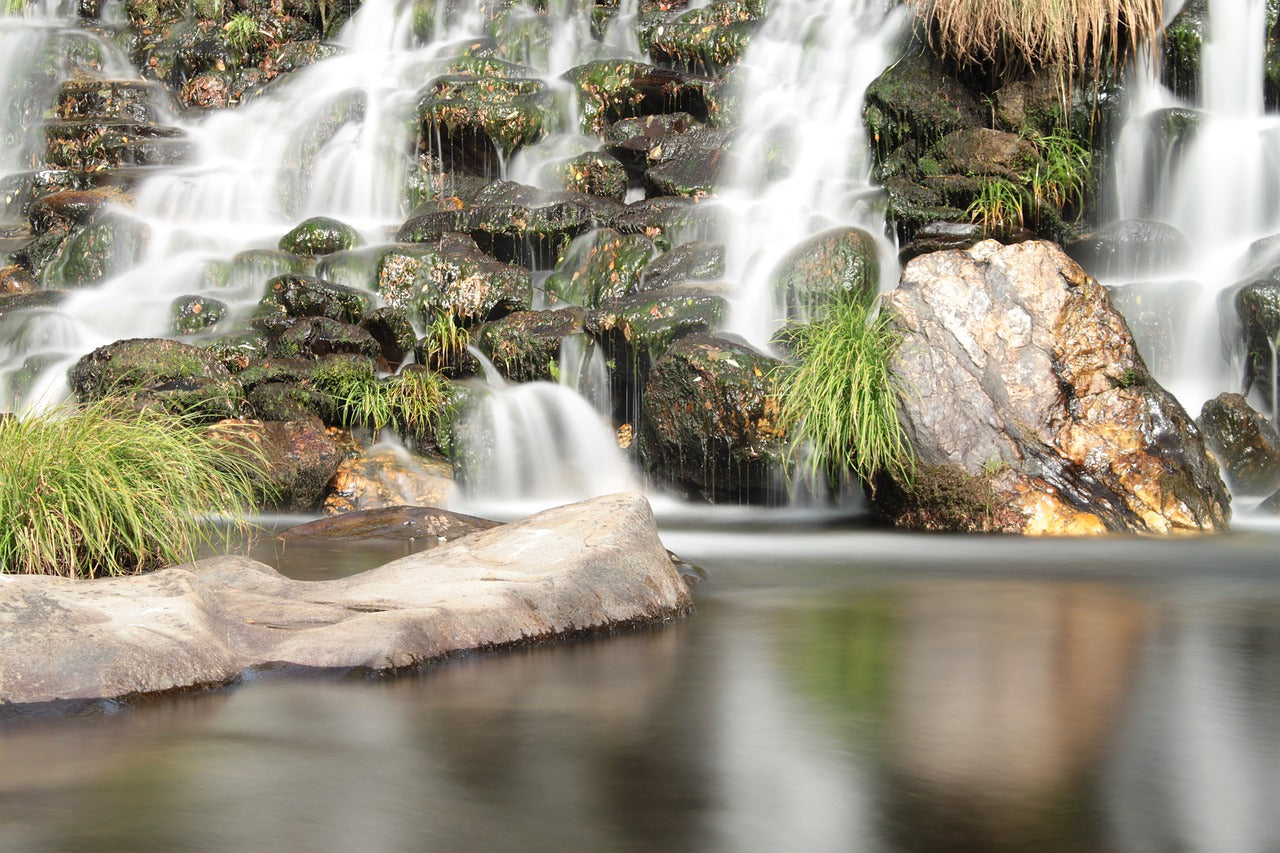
[[393, 522], [587, 566]]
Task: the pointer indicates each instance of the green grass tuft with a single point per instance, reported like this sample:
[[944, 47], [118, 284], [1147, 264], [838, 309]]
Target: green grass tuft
[[108, 490], [839, 400], [415, 402]]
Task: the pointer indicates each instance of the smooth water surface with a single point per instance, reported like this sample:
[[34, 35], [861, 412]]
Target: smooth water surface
[[836, 690]]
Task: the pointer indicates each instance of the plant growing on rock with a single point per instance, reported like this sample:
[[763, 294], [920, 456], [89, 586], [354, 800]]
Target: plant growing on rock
[[415, 402], [839, 399], [1080, 37], [242, 33], [999, 207], [109, 489], [1062, 179]]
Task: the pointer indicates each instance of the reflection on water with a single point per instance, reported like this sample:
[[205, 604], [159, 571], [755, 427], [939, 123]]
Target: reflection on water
[[833, 692]]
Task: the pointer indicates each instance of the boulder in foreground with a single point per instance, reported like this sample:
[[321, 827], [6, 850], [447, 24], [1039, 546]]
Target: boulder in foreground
[[588, 566]]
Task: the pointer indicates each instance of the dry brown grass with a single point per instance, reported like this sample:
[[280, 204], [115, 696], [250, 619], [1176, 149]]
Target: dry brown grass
[[1079, 37]]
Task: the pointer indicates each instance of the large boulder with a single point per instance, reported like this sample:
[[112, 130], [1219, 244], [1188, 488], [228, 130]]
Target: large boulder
[[839, 263], [709, 420], [1029, 408], [300, 456], [592, 566]]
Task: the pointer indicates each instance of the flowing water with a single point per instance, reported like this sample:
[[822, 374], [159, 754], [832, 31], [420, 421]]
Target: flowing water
[[1206, 167], [837, 688]]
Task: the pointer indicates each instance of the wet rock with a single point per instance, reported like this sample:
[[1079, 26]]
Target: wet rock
[[669, 220], [836, 264], [192, 314], [391, 328], [593, 173], [938, 236], [472, 123], [312, 337], [511, 222], [1131, 248], [694, 261], [630, 140], [1031, 103], [613, 89], [139, 101], [1257, 306], [597, 565], [393, 522], [301, 458], [1245, 444], [648, 322], [71, 208], [708, 420], [688, 164], [1029, 407], [599, 268], [95, 145], [287, 401], [320, 235], [179, 378], [916, 101], [111, 241], [294, 296], [385, 476], [315, 132], [525, 345], [981, 151], [706, 40], [451, 276], [15, 280]]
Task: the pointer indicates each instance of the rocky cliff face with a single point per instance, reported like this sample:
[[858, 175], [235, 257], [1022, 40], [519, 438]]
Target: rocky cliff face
[[1030, 409]]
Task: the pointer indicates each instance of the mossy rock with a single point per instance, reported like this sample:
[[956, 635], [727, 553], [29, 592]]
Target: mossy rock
[[693, 261], [313, 337], [1245, 444], [286, 401], [354, 268], [631, 139], [193, 314], [613, 89], [670, 220], [320, 235], [182, 379], [706, 40], [708, 420], [592, 173], [1131, 248], [474, 123], [686, 164], [110, 242], [97, 145], [643, 325], [917, 101], [525, 345], [294, 296], [393, 331], [1257, 306], [600, 268], [825, 268], [451, 276]]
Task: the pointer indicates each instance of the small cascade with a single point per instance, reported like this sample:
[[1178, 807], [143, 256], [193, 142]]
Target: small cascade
[[537, 444], [802, 162], [1205, 167]]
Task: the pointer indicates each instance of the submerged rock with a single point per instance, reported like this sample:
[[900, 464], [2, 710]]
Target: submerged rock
[[1244, 442], [1029, 408], [1132, 248], [587, 567]]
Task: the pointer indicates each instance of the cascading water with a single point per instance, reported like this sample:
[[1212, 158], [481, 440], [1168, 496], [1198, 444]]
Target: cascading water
[[802, 160], [1207, 169]]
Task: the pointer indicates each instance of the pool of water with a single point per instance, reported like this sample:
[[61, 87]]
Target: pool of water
[[835, 690]]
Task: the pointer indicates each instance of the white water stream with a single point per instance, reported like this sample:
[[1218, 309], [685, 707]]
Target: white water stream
[[1215, 184]]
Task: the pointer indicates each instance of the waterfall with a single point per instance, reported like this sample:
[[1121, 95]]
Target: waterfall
[[1208, 170], [801, 161]]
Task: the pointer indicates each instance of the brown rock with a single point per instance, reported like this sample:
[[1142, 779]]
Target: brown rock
[[393, 522], [387, 477], [1029, 408]]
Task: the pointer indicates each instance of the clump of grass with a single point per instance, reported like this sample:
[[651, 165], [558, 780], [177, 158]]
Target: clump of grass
[[999, 207], [1078, 36], [445, 341], [1061, 180], [108, 490], [242, 34], [413, 403], [839, 399]]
